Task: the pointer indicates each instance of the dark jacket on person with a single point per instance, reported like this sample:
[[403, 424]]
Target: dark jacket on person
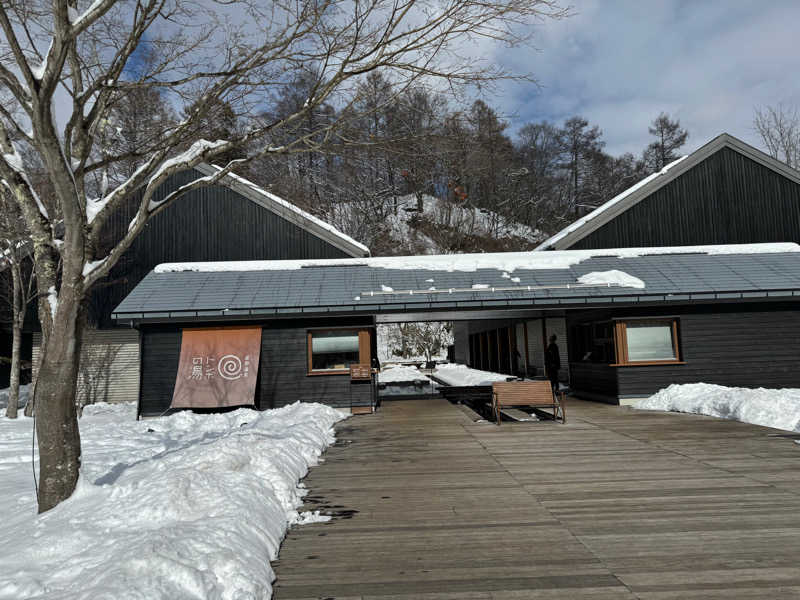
[[552, 360]]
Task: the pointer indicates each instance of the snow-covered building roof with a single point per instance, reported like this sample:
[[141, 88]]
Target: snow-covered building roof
[[629, 198], [241, 290], [288, 211]]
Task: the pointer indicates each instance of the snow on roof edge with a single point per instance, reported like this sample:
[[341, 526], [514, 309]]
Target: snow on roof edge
[[501, 261], [295, 209], [605, 206]]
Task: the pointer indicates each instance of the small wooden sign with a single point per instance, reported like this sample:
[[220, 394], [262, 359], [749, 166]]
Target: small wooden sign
[[360, 372]]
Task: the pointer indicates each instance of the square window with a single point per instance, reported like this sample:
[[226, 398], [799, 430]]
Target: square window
[[649, 340], [333, 350]]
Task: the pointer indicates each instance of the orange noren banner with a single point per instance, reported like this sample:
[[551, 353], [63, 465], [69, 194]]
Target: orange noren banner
[[218, 367]]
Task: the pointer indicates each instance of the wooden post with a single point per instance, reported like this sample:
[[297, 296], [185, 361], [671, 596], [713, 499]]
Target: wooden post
[[512, 347], [525, 335], [497, 349]]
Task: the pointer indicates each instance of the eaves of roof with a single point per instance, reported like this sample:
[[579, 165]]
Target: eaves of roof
[[573, 302]]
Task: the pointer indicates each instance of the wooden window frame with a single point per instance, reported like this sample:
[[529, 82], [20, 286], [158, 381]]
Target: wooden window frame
[[621, 344], [364, 349]]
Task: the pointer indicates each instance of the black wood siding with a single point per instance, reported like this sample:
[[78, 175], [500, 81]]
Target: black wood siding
[[738, 349], [160, 353], [207, 224], [283, 365], [753, 345], [726, 199], [284, 379], [593, 380]]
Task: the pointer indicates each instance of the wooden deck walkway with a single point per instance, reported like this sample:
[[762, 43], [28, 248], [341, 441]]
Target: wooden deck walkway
[[616, 504]]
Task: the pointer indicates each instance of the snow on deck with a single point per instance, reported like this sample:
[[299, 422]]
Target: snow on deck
[[186, 506], [502, 261], [778, 408], [462, 375], [401, 374]]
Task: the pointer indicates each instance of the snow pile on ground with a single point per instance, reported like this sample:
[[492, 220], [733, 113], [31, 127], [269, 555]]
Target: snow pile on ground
[[456, 375], [24, 393], [613, 277], [186, 506], [771, 408], [401, 374]]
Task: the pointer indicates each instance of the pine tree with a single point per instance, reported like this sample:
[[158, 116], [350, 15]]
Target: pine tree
[[669, 138]]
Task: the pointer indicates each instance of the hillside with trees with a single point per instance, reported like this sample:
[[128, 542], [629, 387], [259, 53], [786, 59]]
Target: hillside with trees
[[423, 175]]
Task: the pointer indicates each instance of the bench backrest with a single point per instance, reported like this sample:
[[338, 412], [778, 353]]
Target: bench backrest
[[523, 393]]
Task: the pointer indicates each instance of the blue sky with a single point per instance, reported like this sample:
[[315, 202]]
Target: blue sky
[[619, 63]]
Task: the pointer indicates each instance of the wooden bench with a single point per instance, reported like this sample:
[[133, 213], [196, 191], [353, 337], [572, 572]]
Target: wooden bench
[[538, 394]]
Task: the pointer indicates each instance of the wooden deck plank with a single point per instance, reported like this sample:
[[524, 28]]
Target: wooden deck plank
[[429, 504]]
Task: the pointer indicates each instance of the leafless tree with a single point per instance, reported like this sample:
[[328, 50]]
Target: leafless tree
[[83, 57], [779, 129], [426, 339], [18, 284]]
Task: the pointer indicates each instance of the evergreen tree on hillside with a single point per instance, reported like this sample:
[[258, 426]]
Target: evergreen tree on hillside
[[669, 138], [580, 145]]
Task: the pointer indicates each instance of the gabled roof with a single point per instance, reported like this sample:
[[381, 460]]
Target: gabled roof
[[288, 211], [589, 223], [522, 280]]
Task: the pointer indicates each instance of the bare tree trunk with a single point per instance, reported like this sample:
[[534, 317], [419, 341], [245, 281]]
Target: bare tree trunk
[[13, 392], [16, 346], [57, 418]]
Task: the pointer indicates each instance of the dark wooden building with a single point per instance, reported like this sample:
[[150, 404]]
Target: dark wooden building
[[286, 372], [234, 220], [738, 345], [722, 315], [726, 192]]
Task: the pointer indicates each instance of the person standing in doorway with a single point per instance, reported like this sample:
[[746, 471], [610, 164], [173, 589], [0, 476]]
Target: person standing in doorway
[[552, 362]]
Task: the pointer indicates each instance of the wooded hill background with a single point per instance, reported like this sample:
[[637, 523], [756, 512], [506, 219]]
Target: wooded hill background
[[418, 173]]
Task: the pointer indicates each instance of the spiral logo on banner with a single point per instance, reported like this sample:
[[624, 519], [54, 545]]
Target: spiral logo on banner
[[230, 366]]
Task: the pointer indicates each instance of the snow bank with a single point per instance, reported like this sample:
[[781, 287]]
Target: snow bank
[[24, 393], [186, 506], [455, 374], [401, 374], [613, 277], [771, 408], [501, 261]]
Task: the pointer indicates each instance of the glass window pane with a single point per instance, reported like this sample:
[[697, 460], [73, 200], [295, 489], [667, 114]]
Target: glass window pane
[[333, 350], [649, 340]]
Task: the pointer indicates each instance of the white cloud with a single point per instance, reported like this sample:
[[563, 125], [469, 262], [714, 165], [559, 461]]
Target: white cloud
[[620, 63]]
